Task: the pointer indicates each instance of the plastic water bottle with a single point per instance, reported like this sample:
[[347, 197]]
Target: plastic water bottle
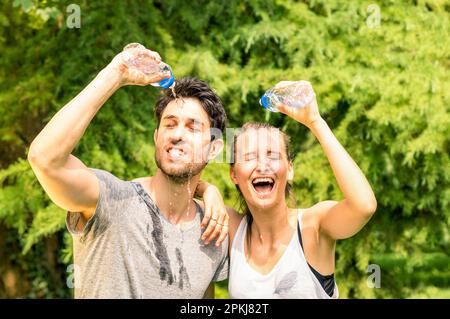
[[136, 59], [297, 94]]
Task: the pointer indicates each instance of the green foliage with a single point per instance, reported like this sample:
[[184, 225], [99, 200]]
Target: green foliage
[[384, 92]]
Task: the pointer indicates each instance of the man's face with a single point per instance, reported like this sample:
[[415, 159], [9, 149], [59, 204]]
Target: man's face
[[183, 140]]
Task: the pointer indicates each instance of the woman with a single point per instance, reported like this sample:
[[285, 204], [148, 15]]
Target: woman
[[282, 252]]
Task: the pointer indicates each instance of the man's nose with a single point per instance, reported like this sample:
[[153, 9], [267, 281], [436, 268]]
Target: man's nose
[[178, 134]]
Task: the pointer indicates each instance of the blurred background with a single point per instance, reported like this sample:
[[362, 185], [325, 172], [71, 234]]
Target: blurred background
[[380, 71]]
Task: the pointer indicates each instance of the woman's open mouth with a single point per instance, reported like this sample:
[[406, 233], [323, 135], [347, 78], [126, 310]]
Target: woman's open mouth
[[263, 185]]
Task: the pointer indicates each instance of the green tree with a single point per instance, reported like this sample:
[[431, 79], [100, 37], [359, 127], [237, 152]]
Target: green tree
[[383, 90]]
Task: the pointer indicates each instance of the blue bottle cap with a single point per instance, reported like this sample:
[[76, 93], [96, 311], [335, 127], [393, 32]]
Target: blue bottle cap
[[265, 101], [166, 83]]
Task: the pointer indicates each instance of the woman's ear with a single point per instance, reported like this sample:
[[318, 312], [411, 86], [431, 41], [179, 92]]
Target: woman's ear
[[215, 149], [233, 175], [290, 174]]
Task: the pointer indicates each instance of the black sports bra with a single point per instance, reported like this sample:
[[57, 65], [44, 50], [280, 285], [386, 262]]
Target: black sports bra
[[327, 282]]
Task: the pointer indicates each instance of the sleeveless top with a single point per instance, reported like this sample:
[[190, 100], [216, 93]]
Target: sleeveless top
[[291, 277]]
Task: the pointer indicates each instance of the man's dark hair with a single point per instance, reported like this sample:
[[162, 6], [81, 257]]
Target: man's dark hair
[[190, 87]]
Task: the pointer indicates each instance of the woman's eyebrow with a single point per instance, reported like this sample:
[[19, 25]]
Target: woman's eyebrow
[[249, 153]]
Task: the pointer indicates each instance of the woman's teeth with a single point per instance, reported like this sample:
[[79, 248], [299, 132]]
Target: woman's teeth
[[262, 180], [263, 185]]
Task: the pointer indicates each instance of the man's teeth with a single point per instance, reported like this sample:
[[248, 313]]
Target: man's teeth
[[175, 152]]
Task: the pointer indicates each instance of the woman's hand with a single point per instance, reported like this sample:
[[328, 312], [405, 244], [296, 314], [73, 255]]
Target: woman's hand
[[216, 216], [306, 115]]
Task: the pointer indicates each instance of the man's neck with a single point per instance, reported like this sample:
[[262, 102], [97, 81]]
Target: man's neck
[[174, 200]]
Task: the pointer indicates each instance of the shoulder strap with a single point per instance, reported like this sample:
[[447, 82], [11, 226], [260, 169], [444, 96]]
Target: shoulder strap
[[239, 235], [299, 232]]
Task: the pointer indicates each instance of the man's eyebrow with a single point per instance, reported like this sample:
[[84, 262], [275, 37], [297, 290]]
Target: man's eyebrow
[[190, 119], [170, 117], [196, 121]]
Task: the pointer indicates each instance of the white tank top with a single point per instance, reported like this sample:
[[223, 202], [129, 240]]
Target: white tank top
[[291, 277]]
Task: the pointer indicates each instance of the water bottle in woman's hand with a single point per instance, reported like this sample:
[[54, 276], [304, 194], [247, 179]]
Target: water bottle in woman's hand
[[295, 94], [136, 56]]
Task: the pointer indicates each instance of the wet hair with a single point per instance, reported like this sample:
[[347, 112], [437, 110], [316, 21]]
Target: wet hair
[[286, 141], [191, 87]]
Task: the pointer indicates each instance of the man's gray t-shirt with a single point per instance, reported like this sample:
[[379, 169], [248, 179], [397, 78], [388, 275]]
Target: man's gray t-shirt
[[128, 249]]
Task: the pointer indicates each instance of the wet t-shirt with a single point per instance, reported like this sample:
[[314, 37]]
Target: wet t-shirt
[[128, 249]]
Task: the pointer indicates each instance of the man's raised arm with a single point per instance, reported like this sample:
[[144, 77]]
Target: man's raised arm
[[67, 181]]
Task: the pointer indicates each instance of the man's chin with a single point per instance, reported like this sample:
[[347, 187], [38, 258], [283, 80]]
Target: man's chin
[[182, 174], [178, 178], [175, 175]]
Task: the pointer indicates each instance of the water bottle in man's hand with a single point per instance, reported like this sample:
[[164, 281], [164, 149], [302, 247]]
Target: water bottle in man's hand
[[295, 94], [136, 56]]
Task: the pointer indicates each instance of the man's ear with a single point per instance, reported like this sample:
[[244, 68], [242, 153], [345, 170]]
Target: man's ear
[[155, 135], [233, 175], [290, 174], [215, 148]]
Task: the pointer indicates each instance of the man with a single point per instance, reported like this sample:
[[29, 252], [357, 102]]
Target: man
[[140, 238]]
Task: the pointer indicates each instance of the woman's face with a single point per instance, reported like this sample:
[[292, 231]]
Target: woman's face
[[261, 168]]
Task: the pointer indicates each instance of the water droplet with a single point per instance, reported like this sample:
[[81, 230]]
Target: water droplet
[[170, 202], [189, 189], [172, 88]]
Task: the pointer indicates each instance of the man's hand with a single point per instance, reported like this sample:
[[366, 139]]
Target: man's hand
[[131, 75]]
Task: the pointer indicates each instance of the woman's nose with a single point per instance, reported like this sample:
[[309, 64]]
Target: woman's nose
[[263, 166]]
